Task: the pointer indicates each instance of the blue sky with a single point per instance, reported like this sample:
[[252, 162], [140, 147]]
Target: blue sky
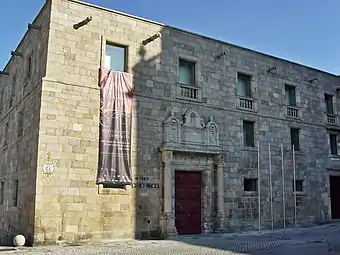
[[304, 31]]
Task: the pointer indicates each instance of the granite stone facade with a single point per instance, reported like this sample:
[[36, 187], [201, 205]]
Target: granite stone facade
[[176, 128]]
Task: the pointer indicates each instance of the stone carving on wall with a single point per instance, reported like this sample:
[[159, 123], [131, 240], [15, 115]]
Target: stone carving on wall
[[191, 131], [212, 133], [172, 134]]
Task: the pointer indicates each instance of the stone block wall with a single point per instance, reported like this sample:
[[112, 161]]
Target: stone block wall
[[70, 206], [19, 118]]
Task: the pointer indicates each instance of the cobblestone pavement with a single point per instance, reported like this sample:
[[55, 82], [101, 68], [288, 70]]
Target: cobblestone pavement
[[243, 243]]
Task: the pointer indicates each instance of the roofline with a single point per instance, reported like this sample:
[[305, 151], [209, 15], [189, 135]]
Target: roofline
[[26, 33], [199, 35]]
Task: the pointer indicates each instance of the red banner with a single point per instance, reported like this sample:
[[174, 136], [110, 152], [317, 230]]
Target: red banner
[[116, 99]]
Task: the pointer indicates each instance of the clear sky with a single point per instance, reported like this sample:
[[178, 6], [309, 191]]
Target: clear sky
[[304, 31]]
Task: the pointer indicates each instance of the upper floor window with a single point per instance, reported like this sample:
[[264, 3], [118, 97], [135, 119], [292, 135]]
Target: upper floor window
[[186, 72], [115, 58], [243, 86], [2, 190], [295, 138], [29, 67], [290, 95], [1, 99], [333, 143], [248, 134], [329, 103], [12, 88]]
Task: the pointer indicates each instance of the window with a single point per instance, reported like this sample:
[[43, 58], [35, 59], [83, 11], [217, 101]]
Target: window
[[243, 86], [290, 97], [334, 144], [15, 193], [298, 185], [250, 184], [115, 58], [248, 134], [329, 103], [186, 72], [14, 82], [6, 135], [29, 67], [294, 137], [20, 124], [2, 190], [1, 99]]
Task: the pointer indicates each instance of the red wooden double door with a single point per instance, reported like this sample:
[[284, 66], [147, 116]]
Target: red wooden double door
[[188, 197]]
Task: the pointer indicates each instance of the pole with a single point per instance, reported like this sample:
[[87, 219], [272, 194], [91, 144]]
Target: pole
[[294, 184], [283, 189], [271, 187], [259, 183]]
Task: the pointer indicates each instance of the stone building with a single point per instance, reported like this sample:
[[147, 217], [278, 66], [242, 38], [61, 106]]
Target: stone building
[[204, 115]]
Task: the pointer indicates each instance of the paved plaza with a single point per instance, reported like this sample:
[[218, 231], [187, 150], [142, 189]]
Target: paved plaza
[[318, 240]]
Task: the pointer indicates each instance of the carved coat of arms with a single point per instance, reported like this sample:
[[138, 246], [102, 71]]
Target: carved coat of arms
[[49, 165]]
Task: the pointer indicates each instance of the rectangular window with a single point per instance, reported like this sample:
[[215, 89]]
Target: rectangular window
[[13, 86], [290, 97], [115, 58], [15, 193], [20, 124], [329, 103], [295, 138], [243, 86], [1, 99], [2, 190], [186, 72], [248, 134], [250, 184], [6, 134], [334, 144], [29, 67], [298, 185]]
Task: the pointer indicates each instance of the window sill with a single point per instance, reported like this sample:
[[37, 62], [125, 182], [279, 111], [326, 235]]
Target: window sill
[[249, 148], [249, 193], [124, 190], [300, 193]]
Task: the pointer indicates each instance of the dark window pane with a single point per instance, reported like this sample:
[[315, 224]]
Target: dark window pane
[[329, 103], [243, 85], [290, 97], [115, 58], [298, 185], [15, 193], [250, 184], [334, 144], [295, 140], [186, 72], [248, 133]]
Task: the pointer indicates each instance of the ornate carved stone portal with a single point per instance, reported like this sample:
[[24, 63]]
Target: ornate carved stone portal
[[199, 136], [191, 131]]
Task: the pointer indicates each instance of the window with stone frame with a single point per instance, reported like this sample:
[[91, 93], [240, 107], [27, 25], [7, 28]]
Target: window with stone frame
[[298, 186], [1, 99], [6, 135], [250, 184], [186, 72], [290, 95], [333, 142], [115, 57], [2, 190], [295, 138], [29, 67], [15, 192], [248, 134], [20, 127], [243, 86], [13, 86], [329, 104]]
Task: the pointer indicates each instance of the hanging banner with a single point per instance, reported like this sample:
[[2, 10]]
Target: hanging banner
[[116, 99]]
